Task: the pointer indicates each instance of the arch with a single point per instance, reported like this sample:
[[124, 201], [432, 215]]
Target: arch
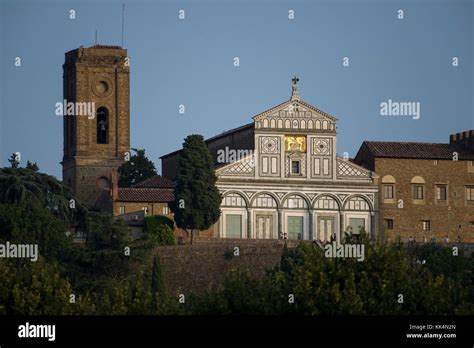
[[272, 123], [287, 124], [265, 123], [388, 179], [298, 201], [325, 124], [318, 124], [417, 180], [323, 201], [280, 123], [103, 183], [234, 199], [102, 125], [264, 199], [358, 202], [303, 124], [310, 124], [295, 124]]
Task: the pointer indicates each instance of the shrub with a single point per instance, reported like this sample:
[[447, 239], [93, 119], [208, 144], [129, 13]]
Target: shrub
[[159, 228]]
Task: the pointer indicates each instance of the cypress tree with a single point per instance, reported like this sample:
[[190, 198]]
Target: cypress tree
[[197, 199]]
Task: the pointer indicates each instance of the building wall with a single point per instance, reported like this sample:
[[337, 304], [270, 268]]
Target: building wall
[[153, 208], [454, 218], [242, 139]]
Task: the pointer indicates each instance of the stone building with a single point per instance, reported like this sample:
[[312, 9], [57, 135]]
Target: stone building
[[426, 190], [280, 177], [97, 77], [151, 196]]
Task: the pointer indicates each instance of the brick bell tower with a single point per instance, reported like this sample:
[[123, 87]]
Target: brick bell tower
[[96, 85]]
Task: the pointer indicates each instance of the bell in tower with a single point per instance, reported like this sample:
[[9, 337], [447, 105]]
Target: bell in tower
[[95, 147]]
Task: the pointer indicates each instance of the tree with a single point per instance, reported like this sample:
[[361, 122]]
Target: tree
[[137, 169], [32, 166], [157, 282], [15, 163], [197, 199], [31, 189]]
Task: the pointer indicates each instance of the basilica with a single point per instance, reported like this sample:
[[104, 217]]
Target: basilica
[[291, 183]]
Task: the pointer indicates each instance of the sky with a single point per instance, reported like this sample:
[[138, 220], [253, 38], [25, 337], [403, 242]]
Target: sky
[[190, 62]]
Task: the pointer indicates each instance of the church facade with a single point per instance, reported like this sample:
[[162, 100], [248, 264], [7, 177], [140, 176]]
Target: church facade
[[280, 177]]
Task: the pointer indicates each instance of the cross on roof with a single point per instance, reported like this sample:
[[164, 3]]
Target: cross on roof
[[295, 80]]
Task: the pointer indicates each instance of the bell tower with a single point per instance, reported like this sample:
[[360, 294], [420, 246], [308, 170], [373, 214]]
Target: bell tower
[[96, 113]]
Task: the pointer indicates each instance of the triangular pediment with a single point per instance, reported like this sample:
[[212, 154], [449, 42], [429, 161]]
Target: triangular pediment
[[294, 108], [295, 115]]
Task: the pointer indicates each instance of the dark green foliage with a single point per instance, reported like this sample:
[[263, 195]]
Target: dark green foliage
[[332, 286], [34, 226], [36, 288], [29, 189], [13, 161], [159, 228], [137, 169], [32, 166], [158, 289], [196, 187]]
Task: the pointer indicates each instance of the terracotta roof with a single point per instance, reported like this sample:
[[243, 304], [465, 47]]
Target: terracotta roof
[[156, 181], [134, 194], [393, 149]]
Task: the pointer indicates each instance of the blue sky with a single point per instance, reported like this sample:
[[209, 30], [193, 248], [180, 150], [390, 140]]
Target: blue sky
[[191, 62]]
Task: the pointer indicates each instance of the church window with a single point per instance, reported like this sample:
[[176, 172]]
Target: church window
[[233, 226], [295, 167], [102, 125]]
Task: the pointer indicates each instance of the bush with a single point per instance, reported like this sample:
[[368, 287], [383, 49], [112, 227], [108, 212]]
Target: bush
[[159, 228]]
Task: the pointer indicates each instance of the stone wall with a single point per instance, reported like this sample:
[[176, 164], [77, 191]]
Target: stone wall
[[204, 264]]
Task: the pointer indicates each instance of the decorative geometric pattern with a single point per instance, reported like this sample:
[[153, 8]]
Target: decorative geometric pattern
[[295, 202], [245, 166], [281, 194], [342, 197], [347, 169], [357, 203], [321, 146], [270, 144], [233, 200], [326, 202], [249, 193]]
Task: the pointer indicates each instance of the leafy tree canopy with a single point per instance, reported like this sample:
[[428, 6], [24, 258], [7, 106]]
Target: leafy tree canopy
[[137, 169]]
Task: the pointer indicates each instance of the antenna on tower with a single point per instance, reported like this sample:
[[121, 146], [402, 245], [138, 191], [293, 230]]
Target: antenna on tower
[[96, 36], [123, 20]]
